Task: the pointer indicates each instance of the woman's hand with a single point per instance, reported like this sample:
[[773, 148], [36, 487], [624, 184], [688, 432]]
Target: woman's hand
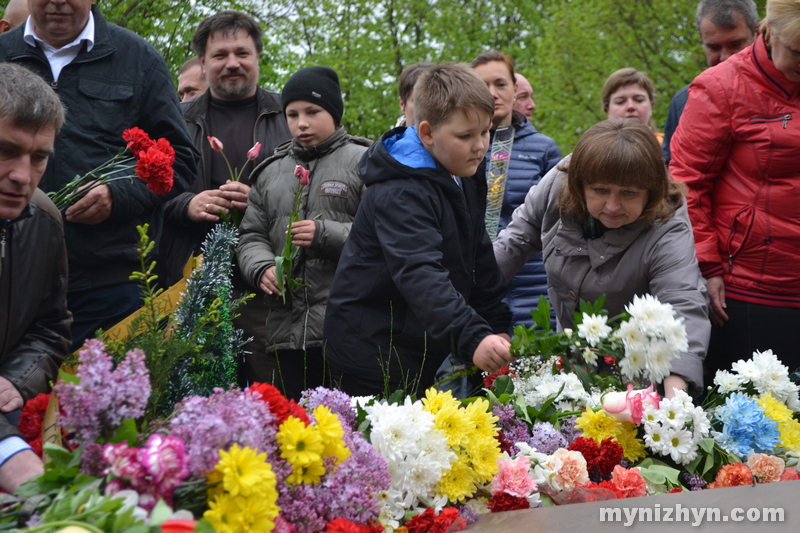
[[716, 292], [493, 353]]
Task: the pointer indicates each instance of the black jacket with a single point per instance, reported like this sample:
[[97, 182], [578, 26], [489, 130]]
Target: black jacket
[[417, 277], [34, 321], [121, 83], [182, 237]]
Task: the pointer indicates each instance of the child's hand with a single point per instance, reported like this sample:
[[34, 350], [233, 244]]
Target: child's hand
[[268, 281], [493, 353], [303, 232]]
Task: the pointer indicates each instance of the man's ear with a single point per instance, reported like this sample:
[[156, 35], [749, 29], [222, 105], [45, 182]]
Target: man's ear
[[425, 131], [4, 26]]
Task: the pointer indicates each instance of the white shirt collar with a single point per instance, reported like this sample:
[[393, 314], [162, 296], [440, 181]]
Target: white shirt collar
[[87, 35]]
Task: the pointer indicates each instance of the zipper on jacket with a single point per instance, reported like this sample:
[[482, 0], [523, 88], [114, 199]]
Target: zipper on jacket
[[784, 119], [3, 231], [54, 85]]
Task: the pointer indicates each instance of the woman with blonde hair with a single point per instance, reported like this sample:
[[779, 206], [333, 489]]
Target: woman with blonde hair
[[610, 221], [737, 147]]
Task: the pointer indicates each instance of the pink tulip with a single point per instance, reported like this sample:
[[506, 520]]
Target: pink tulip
[[302, 175], [628, 406], [252, 154], [215, 143]]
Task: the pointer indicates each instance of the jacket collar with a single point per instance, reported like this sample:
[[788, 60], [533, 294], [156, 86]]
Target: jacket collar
[[330, 144], [196, 108], [761, 57]]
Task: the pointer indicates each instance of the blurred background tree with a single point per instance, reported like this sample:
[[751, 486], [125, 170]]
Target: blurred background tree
[[566, 48]]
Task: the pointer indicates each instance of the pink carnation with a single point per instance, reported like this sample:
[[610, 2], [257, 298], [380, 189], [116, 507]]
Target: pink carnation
[[513, 478], [569, 469], [124, 463], [766, 468], [628, 482]]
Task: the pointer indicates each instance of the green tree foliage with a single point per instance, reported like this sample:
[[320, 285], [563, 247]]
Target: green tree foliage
[[566, 48]]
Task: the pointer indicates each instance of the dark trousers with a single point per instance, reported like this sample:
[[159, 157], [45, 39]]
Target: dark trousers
[[299, 370], [256, 365], [752, 327], [103, 307]]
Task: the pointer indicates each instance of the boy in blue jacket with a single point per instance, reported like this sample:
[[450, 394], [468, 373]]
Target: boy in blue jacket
[[417, 278]]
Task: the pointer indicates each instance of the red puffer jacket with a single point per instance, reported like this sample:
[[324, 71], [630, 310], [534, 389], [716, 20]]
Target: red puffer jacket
[[737, 147]]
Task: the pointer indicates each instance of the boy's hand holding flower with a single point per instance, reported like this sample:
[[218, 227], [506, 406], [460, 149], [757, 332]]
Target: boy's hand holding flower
[[493, 353], [303, 232]]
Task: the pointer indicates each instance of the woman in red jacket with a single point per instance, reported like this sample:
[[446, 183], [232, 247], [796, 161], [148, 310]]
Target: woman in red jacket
[[738, 149]]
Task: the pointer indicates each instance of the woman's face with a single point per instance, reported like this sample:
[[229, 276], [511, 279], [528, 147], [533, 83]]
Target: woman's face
[[631, 101], [615, 206], [501, 84], [786, 57]]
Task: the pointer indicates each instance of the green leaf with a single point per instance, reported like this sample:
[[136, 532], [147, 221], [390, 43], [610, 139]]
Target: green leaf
[[503, 385], [204, 526], [160, 514], [126, 432], [546, 501], [68, 378]]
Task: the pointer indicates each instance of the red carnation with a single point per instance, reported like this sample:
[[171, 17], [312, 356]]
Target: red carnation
[[507, 502], [732, 475], [588, 448], [421, 523], [32, 417], [343, 525], [138, 140], [442, 523], [488, 381], [610, 455], [155, 167], [278, 404], [36, 445]]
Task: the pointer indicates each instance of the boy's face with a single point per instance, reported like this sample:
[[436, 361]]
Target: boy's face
[[309, 123], [460, 144]]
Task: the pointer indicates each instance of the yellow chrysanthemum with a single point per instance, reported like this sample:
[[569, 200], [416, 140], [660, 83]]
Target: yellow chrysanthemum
[[257, 514], [301, 445], [481, 418], [435, 400], [484, 453], [214, 484], [454, 423], [632, 446], [788, 427], [224, 514], [331, 431], [459, 482], [310, 474], [597, 425], [244, 471]]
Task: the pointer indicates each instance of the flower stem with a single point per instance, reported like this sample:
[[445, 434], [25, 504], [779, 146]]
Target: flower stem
[[60, 523]]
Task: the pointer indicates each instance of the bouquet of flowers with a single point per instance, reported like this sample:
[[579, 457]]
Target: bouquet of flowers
[[150, 160]]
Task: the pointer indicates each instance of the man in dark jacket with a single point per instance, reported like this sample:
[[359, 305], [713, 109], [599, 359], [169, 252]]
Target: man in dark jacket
[[239, 114], [110, 79], [726, 27], [34, 321]]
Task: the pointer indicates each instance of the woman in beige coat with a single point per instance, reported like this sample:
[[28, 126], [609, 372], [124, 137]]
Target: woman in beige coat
[[610, 221]]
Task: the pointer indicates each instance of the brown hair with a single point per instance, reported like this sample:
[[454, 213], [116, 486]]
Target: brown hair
[[624, 153], [448, 88], [494, 55], [624, 77], [227, 22], [191, 62], [409, 77]]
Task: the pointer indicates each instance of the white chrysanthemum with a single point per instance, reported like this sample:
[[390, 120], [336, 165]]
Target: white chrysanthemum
[[630, 335], [418, 475], [655, 437], [659, 356], [633, 363], [593, 328], [674, 332], [682, 397], [700, 423], [651, 414], [678, 444], [649, 313], [396, 429], [589, 356], [674, 414], [727, 381], [748, 370]]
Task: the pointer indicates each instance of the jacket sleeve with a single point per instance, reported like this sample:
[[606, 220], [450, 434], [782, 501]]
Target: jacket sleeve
[[256, 251], [160, 116], [552, 156], [676, 106], [522, 238], [489, 290], [330, 235], [700, 148], [675, 279], [33, 362], [405, 225]]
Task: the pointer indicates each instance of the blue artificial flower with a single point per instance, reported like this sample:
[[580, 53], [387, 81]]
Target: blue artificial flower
[[746, 428]]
